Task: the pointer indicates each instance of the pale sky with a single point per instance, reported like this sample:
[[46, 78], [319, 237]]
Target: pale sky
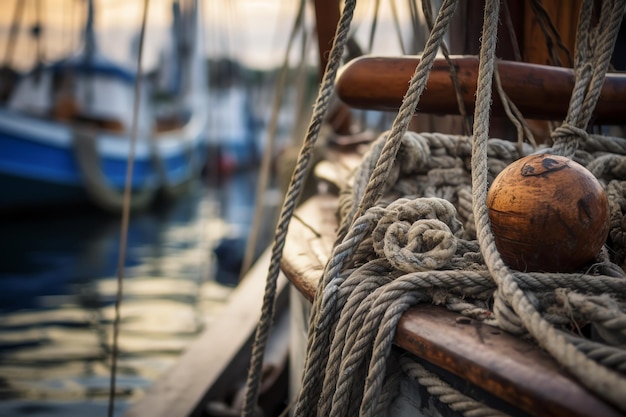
[[253, 31]]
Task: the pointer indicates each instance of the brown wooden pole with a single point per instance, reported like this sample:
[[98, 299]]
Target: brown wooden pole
[[326, 19], [12, 38], [539, 91], [327, 14]]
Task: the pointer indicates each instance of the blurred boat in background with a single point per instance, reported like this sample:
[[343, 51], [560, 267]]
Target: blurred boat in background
[[66, 127], [235, 126]]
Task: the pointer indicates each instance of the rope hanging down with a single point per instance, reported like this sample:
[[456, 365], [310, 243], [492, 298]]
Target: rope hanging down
[[324, 305], [414, 229], [596, 377], [293, 192]]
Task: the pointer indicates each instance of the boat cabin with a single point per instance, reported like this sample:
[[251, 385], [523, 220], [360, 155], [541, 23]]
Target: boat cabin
[[83, 90]]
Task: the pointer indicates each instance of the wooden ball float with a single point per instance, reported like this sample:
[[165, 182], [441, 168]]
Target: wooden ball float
[[548, 213]]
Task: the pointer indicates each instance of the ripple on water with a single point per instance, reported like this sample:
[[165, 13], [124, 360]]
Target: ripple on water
[[58, 275]]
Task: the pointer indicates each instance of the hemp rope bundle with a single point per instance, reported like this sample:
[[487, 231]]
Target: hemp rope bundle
[[393, 252]]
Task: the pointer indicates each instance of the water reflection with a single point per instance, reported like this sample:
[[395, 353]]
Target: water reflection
[[58, 280]]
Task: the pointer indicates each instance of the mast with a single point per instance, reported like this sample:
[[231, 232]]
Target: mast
[[8, 76], [90, 47], [15, 26], [90, 37], [327, 13]]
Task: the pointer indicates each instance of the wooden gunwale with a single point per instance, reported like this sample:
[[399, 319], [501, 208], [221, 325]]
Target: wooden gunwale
[[217, 361]]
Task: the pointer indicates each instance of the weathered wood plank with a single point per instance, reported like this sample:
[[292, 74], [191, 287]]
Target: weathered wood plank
[[512, 369], [308, 245], [218, 358]]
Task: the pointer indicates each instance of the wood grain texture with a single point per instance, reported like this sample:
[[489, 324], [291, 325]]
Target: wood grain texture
[[218, 358], [539, 91], [548, 213], [510, 368]]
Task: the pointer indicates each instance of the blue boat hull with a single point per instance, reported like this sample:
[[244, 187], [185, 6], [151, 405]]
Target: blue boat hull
[[42, 164]]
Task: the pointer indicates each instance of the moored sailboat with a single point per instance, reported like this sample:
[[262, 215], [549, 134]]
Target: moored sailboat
[[66, 126]]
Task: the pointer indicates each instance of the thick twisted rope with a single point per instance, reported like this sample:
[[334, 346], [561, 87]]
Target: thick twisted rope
[[377, 288], [462, 281], [417, 84], [323, 306], [323, 309], [593, 57], [472, 287], [427, 9], [295, 186], [445, 393], [373, 321]]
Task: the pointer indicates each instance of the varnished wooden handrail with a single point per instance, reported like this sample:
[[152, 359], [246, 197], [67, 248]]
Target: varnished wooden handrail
[[539, 91]]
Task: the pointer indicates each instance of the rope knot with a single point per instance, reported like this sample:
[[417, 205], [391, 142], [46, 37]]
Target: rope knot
[[567, 139], [417, 235]]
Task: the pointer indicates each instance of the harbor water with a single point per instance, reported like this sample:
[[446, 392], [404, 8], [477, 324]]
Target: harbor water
[[58, 275]]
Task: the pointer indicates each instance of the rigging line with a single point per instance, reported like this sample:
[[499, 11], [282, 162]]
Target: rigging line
[[370, 44], [227, 35], [66, 19], [269, 150], [428, 16], [126, 210], [289, 204], [38, 29], [397, 25], [551, 34], [287, 8], [415, 26], [304, 100], [511, 30], [73, 26]]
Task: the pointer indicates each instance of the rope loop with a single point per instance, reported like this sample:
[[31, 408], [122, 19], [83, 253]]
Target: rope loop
[[417, 235], [568, 138], [424, 245]]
